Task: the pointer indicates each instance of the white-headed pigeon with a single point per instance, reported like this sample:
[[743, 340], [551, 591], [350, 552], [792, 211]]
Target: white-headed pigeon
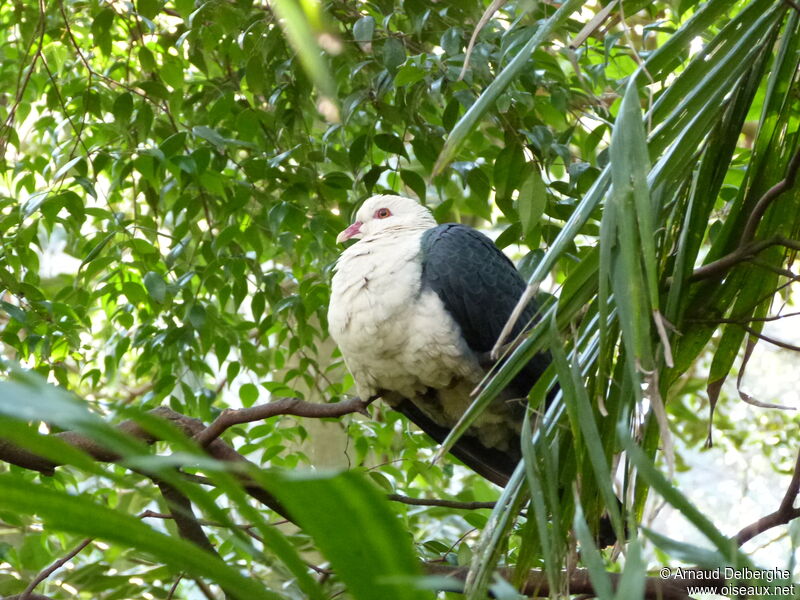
[[415, 308]]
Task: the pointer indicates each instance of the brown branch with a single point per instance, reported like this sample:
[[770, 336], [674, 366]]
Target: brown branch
[[578, 582], [47, 571], [205, 589], [190, 427], [180, 509], [174, 587], [768, 198], [439, 502], [221, 451], [748, 248], [284, 406], [247, 528], [205, 436], [785, 513], [134, 393], [741, 254], [743, 321], [784, 272], [20, 457], [770, 340]]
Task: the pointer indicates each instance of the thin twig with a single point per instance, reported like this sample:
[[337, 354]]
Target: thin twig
[[748, 248], [743, 321], [439, 502], [205, 589], [47, 571], [771, 340], [174, 587], [577, 581], [741, 254], [768, 198], [785, 513]]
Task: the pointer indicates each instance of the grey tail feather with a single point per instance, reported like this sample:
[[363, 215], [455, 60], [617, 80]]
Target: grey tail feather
[[490, 463]]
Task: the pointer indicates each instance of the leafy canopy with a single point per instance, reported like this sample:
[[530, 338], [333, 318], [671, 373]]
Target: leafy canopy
[[174, 175]]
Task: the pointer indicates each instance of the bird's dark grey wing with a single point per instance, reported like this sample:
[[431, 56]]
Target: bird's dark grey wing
[[479, 287]]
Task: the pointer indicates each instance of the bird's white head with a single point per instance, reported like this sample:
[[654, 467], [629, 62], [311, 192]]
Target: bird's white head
[[386, 212]]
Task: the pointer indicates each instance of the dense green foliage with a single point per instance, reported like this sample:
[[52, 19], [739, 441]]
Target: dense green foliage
[[174, 175]]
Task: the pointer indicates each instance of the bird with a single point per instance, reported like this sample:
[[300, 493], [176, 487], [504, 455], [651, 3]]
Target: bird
[[416, 308]]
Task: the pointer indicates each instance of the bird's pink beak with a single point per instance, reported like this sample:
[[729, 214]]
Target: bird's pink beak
[[352, 231]]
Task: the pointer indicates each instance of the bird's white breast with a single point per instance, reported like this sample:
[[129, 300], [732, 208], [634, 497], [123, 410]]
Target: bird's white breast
[[393, 334]]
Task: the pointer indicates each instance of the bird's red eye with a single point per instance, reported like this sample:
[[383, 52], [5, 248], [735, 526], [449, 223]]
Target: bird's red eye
[[382, 213]]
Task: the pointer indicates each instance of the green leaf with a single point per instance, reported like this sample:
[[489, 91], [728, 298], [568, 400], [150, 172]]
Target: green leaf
[[601, 582], [684, 552], [248, 394], [631, 584], [155, 286], [415, 182], [451, 41], [584, 424], [532, 201], [390, 143], [146, 59], [624, 247], [409, 75], [210, 135], [363, 29], [81, 516], [379, 561], [197, 316], [394, 54], [647, 471], [123, 108], [256, 75], [148, 8], [486, 100], [509, 169], [134, 292]]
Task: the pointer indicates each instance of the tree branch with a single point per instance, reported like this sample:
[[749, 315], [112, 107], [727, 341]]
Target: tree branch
[[284, 406], [741, 254], [785, 513], [439, 502], [745, 321], [47, 571], [768, 198], [190, 427], [180, 508], [768, 339], [578, 582], [747, 247]]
